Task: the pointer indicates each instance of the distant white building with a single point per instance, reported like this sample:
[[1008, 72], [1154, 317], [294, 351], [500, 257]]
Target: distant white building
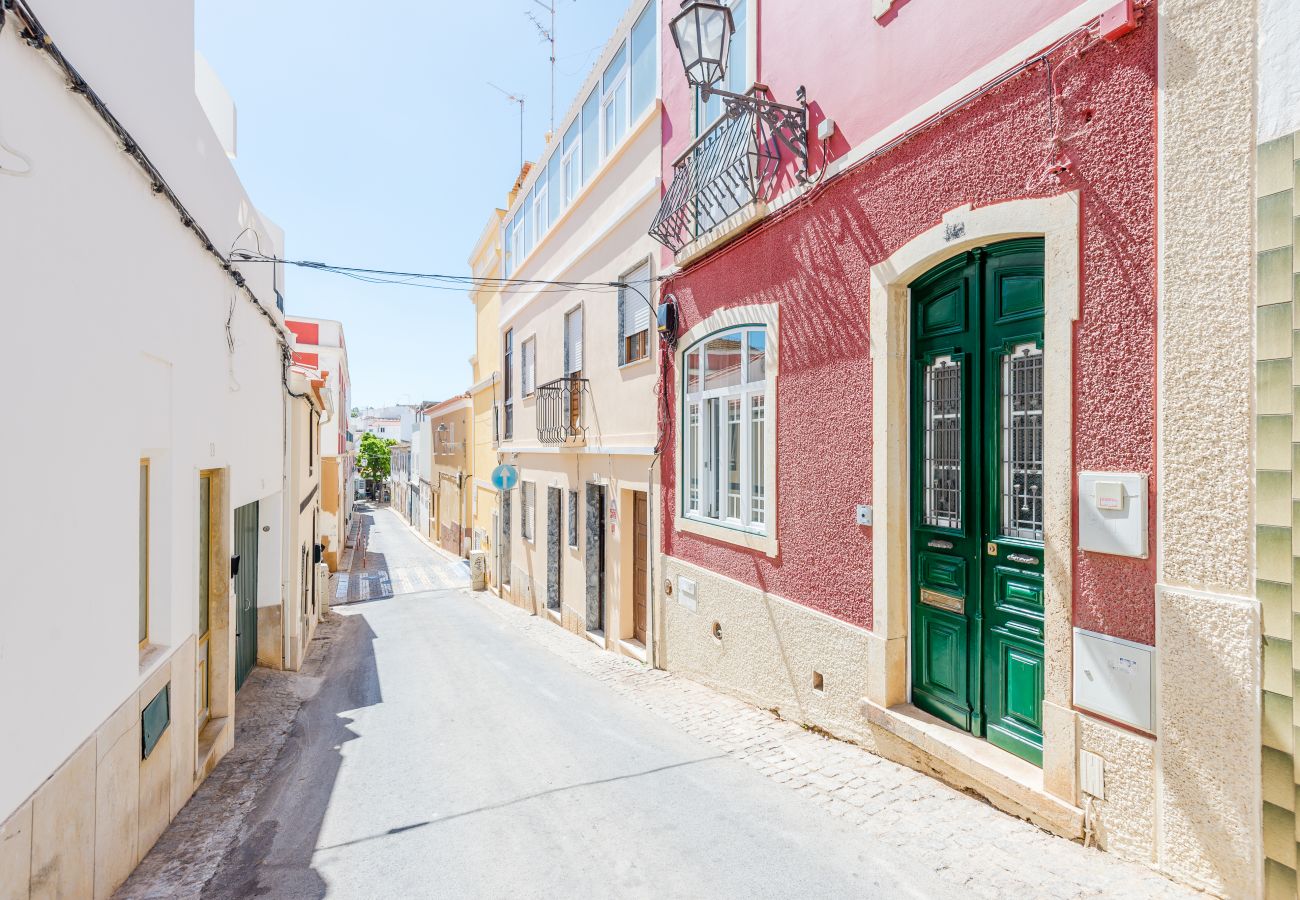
[[395, 423]]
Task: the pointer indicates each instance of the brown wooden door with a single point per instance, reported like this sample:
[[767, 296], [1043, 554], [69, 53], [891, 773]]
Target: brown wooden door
[[640, 564]]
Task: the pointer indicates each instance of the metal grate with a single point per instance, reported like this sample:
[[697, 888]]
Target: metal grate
[[1022, 443], [737, 161], [560, 414], [943, 443]]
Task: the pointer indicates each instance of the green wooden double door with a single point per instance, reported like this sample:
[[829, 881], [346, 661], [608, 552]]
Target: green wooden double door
[[977, 494]]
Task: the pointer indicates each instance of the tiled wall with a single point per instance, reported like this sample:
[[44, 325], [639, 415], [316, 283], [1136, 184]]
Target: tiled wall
[[1277, 499]]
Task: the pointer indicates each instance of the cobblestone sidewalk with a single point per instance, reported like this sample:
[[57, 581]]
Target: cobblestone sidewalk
[[964, 839], [192, 847]]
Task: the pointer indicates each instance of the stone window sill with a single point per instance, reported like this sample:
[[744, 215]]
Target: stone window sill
[[150, 656], [597, 637]]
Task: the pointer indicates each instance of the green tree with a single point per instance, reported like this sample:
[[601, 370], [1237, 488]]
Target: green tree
[[373, 461]]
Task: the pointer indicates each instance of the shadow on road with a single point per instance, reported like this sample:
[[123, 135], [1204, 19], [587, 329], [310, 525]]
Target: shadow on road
[[504, 803], [272, 856]]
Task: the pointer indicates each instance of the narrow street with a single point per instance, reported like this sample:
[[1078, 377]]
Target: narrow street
[[457, 747]]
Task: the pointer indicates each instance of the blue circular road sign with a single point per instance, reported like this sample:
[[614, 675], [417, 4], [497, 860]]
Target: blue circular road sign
[[504, 477]]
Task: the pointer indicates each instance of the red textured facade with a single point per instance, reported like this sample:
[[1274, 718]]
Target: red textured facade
[[814, 259]]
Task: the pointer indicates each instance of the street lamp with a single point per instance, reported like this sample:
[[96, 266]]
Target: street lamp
[[702, 32]]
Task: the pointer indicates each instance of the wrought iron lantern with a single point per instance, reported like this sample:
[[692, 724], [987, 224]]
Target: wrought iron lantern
[[702, 32]]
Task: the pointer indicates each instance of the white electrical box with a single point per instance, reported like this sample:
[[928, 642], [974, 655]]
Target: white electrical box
[[686, 592], [1115, 678], [864, 514], [825, 129], [1113, 513]]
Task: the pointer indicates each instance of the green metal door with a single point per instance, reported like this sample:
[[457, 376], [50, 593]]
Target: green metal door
[[977, 504], [245, 592]]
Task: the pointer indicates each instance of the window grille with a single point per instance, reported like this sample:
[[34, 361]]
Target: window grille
[[1022, 443], [943, 434]]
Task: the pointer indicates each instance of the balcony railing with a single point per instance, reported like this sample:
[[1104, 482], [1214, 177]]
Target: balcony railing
[[742, 158], [561, 411]]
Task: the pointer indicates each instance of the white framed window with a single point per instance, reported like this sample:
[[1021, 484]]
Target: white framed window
[[571, 161], [613, 102], [541, 207], [737, 79], [590, 147], [508, 380], [634, 315], [518, 249], [726, 447], [645, 59], [527, 509], [528, 367], [573, 342]]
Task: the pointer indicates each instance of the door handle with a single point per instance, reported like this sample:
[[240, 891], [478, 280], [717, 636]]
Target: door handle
[[1022, 559]]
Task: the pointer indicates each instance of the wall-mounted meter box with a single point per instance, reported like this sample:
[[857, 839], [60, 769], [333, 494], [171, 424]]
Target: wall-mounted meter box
[[1115, 678], [1113, 513]]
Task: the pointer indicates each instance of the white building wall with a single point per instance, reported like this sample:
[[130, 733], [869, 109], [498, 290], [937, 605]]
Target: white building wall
[[115, 306]]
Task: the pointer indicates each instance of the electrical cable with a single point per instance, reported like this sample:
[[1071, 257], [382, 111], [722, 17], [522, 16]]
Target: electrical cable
[[35, 36]]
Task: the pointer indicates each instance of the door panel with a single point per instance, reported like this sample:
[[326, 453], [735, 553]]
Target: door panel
[[246, 531], [554, 505], [977, 522], [640, 564], [594, 557]]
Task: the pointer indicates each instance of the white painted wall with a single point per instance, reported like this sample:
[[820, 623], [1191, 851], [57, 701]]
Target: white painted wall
[[1279, 68], [112, 305]]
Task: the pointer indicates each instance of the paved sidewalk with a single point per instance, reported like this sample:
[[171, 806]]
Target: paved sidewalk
[[965, 840], [193, 846]]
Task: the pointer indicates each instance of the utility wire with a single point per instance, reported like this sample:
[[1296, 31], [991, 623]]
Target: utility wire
[[35, 35]]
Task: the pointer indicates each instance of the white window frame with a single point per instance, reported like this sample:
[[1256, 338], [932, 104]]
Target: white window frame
[[570, 368], [528, 366], [571, 163], [528, 511], [692, 520], [541, 206], [621, 88], [712, 406]]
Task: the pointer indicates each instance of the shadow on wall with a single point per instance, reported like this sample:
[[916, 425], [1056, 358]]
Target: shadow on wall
[[272, 855]]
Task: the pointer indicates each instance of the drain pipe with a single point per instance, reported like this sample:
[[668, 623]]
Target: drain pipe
[[654, 598]]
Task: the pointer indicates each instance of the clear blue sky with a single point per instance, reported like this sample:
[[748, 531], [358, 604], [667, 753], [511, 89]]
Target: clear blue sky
[[370, 134]]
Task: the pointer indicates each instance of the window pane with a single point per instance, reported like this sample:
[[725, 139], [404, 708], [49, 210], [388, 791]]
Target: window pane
[[756, 367], [644, 70], [692, 458], [507, 242], [733, 458], [692, 372], [942, 421], [144, 551], [205, 505], [757, 508], [737, 79], [614, 69], [553, 188], [590, 134], [712, 455], [1022, 443], [571, 136], [526, 214], [722, 361]]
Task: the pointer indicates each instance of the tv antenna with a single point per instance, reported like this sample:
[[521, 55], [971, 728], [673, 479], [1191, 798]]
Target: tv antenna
[[515, 98], [548, 35]]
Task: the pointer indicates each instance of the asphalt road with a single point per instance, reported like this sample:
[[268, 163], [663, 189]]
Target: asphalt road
[[448, 755]]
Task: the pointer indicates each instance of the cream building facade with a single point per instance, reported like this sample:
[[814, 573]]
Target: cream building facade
[[578, 392], [485, 374], [450, 441], [321, 343]]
